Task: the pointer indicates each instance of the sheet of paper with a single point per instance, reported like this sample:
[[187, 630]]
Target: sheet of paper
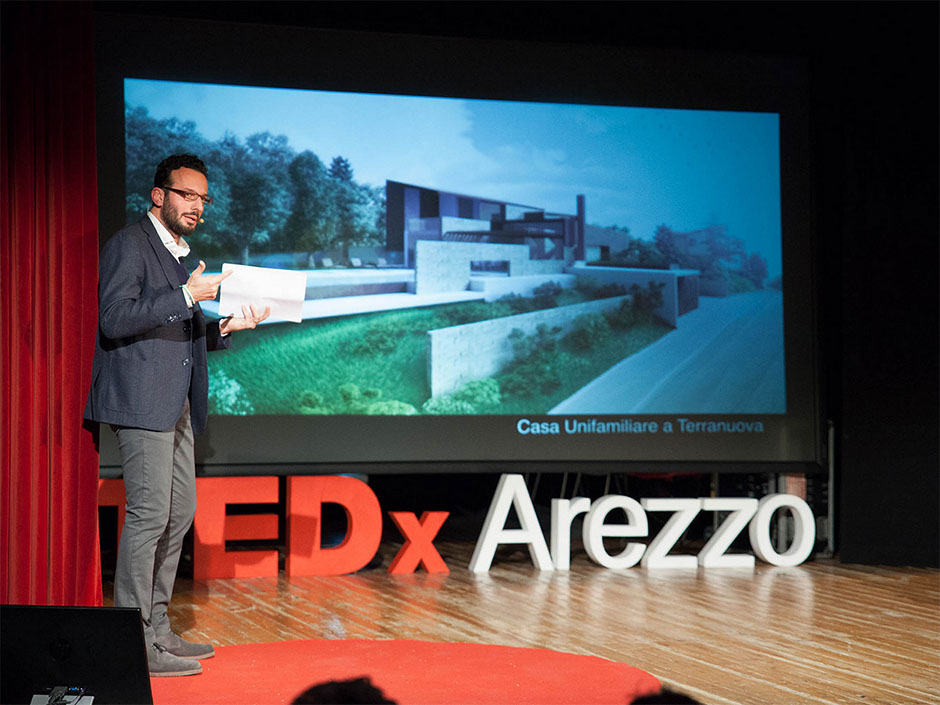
[[281, 289]]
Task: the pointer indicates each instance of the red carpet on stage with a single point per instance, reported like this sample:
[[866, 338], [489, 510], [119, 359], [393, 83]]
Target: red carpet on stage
[[409, 672]]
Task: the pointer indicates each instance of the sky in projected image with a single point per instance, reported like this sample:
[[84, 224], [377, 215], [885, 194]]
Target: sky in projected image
[[637, 167]]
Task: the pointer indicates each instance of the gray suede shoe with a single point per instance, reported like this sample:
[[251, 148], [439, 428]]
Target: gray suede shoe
[[178, 646], [162, 663]]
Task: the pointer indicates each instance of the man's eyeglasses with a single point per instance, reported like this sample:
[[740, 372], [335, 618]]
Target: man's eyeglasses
[[190, 195]]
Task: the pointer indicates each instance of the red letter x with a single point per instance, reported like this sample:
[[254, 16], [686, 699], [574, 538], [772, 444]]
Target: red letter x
[[419, 547]]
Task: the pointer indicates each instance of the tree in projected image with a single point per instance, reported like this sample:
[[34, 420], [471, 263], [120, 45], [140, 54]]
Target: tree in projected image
[[147, 141], [359, 210], [311, 225], [267, 198], [258, 191]]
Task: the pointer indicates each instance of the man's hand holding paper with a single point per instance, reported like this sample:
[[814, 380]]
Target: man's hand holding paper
[[204, 287], [246, 289], [249, 319]]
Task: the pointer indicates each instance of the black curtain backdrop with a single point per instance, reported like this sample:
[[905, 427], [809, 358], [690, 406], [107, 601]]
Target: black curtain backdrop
[[874, 73]]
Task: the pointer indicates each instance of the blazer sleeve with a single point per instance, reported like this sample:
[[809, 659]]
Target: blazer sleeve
[[134, 296], [214, 338]]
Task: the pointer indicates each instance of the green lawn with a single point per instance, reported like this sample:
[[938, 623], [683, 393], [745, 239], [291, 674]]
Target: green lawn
[[575, 369], [344, 365]]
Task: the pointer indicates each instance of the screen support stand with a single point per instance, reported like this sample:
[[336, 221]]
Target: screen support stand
[[783, 524], [713, 492], [831, 492]]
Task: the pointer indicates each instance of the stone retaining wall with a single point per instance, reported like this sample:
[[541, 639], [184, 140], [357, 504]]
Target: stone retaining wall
[[461, 354]]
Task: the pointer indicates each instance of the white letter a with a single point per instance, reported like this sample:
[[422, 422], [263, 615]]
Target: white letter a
[[511, 491]]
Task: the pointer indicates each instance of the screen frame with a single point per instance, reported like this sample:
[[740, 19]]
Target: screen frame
[[342, 60]]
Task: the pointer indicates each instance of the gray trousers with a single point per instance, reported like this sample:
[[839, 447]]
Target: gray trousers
[[160, 486]]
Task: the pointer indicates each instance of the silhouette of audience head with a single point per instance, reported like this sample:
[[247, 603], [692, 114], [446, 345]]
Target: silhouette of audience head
[[355, 691], [361, 691], [665, 697]]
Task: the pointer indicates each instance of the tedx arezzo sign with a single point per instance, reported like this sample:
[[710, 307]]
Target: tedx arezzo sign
[[744, 512], [306, 495]]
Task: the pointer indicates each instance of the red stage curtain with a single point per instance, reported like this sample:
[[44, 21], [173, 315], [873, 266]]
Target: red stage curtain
[[48, 303]]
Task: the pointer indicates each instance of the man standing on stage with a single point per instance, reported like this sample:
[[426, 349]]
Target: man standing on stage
[[150, 382]]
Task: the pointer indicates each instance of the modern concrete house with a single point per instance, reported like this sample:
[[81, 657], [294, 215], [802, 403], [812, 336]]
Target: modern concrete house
[[476, 238], [416, 213]]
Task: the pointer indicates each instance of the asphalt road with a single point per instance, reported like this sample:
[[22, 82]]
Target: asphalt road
[[726, 357]]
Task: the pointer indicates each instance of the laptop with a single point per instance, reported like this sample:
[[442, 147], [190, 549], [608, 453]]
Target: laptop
[[79, 655]]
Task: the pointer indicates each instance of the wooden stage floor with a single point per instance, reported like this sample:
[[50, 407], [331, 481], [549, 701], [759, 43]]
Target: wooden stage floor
[[818, 633]]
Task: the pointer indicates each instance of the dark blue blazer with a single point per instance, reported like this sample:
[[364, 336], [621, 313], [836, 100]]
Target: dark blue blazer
[[150, 351]]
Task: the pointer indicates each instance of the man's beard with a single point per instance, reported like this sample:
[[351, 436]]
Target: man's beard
[[174, 222]]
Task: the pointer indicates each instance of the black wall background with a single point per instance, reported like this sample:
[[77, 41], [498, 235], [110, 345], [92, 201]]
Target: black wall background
[[874, 101]]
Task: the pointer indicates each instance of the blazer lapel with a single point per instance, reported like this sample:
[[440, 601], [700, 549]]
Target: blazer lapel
[[164, 258], [159, 249]]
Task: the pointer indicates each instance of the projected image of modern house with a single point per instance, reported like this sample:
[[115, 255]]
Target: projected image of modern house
[[522, 266]]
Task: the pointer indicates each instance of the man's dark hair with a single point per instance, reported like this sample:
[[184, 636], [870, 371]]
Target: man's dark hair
[[355, 690], [177, 161], [666, 697]]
